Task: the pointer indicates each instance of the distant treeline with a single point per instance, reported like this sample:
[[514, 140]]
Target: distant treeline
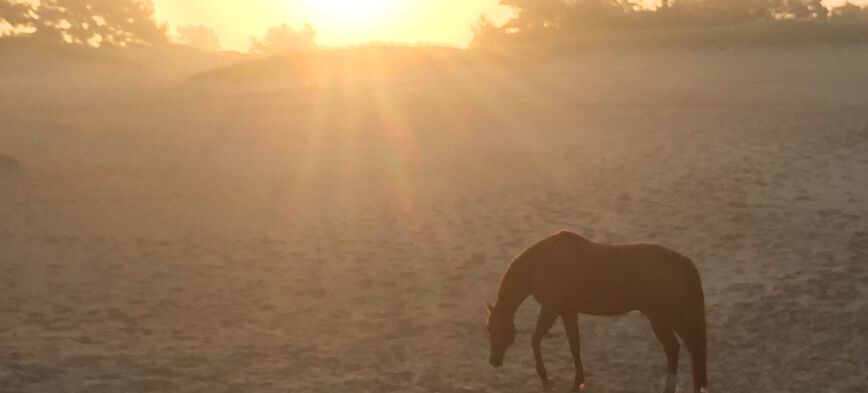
[[550, 20], [123, 23], [84, 22], [564, 24]]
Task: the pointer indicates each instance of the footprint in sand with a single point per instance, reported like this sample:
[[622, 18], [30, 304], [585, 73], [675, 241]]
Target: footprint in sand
[[8, 165], [31, 374]]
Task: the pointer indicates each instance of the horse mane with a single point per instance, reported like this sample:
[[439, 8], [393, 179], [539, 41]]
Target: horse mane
[[513, 282], [525, 256]]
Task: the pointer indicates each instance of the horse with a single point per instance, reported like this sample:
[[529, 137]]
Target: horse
[[568, 274]]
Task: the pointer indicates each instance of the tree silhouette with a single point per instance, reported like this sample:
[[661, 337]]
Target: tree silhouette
[[849, 11], [283, 38], [199, 37], [88, 22], [543, 17], [536, 15], [548, 19], [798, 9], [717, 12], [485, 33], [16, 14]]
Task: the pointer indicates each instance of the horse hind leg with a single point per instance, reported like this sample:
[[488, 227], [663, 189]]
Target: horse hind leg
[[664, 333], [693, 335], [571, 326]]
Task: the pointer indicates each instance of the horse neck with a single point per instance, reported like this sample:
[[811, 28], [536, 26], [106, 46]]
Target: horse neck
[[514, 288]]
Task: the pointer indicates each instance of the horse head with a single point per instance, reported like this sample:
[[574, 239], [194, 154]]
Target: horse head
[[501, 333]]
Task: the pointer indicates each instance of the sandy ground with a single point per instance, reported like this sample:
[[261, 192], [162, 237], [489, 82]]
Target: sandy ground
[[345, 238]]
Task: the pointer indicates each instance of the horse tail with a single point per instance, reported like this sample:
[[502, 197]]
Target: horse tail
[[691, 328]]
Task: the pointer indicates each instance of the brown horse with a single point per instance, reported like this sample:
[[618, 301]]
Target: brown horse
[[568, 274]]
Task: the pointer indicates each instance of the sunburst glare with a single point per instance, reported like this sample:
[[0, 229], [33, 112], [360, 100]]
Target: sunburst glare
[[352, 13]]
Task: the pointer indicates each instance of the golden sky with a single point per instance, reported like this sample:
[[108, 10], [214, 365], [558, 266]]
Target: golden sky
[[338, 22]]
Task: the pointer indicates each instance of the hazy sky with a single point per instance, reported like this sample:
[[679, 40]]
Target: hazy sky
[[344, 22], [338, 22]]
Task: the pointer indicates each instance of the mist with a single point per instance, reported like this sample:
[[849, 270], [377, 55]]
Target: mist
[[177, 217]]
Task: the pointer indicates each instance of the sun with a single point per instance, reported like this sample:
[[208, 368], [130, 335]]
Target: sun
[[352, 14]]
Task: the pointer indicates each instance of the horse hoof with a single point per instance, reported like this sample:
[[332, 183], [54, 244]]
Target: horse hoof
[[580, 388], [671, 382]]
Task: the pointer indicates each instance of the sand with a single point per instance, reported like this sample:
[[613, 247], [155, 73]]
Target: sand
[[345, 238]]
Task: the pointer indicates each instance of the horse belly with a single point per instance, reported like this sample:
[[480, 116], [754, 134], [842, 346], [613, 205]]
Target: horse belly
[[601, 301]]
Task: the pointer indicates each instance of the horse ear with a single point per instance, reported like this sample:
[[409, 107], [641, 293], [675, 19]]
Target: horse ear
[[489, 307]]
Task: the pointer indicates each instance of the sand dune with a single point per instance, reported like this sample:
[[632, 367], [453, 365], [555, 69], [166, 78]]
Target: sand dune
[[345, 239]]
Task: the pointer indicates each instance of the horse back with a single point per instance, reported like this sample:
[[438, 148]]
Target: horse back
[[599, 279], [661, 280]]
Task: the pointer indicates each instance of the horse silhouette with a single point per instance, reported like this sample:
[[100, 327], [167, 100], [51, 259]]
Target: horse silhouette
[[568, 274]]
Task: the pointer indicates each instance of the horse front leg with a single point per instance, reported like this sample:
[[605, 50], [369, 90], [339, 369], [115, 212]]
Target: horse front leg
[[571, 325], [547, 317]]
